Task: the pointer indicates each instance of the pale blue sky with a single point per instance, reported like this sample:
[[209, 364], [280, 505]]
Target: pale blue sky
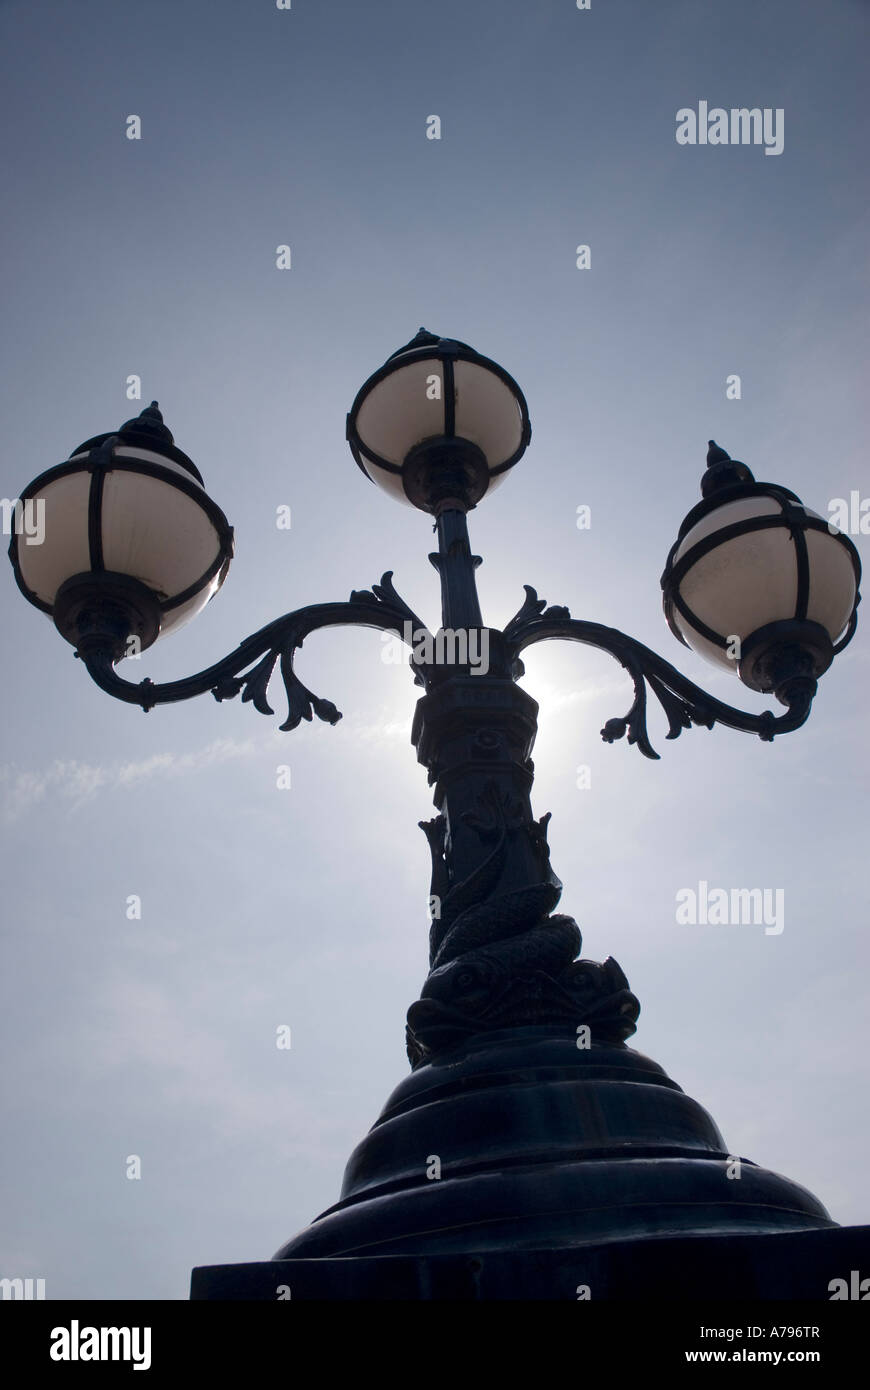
[[307, 907]]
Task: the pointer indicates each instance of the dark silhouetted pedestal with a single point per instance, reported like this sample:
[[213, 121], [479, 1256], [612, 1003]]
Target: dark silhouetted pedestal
[[564, 1173]]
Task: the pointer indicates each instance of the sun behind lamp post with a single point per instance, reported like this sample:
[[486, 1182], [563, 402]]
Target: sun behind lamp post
[[564, 1156]]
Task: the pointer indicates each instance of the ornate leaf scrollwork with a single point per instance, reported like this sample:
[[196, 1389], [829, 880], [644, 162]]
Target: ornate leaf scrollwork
[[634, 723], [683, 702], [379, 607], [385, 595], [679, 712], [255, 684], [302, 703], [533, 607]]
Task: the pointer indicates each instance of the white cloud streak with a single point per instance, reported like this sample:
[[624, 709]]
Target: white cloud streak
[[79, 782]]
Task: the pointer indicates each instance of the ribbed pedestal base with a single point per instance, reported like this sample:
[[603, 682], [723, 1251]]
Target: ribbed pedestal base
[[521, 1166], [522, 1140]]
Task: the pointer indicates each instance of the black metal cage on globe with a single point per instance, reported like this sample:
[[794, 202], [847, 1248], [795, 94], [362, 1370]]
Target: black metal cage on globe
[[438, 425], [745, 556], [131, 530]]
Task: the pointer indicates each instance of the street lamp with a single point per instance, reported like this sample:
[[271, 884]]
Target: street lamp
[[134, 543], [438, 424], [756, 573], [555, 1137]]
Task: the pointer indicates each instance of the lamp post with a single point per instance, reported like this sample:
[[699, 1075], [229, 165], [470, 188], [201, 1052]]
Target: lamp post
[[555, 1141]]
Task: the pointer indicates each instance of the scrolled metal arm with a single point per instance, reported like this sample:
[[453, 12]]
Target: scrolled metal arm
[[683, 702], [380, 607]]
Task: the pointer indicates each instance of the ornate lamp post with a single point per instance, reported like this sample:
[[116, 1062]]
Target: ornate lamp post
[[555, 1141]]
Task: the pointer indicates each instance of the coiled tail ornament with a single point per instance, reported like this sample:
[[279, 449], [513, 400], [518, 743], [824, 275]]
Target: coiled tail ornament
[[502, 960]]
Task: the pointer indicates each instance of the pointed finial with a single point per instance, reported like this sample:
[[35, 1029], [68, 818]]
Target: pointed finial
[[715, 454], [148, 422], [722, 471]]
